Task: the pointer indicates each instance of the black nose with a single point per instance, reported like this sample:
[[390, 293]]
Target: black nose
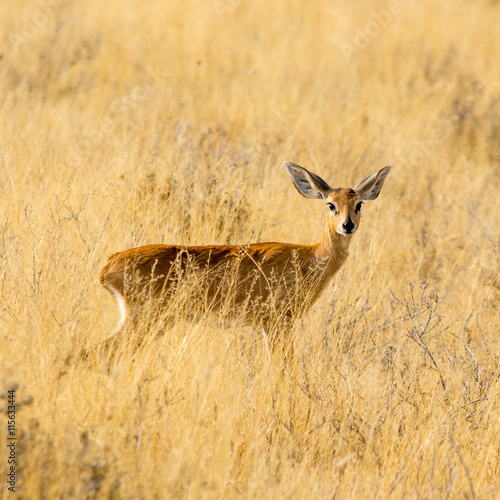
[[348, 225]]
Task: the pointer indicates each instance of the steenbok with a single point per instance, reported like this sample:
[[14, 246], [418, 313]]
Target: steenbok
[[259, 282]]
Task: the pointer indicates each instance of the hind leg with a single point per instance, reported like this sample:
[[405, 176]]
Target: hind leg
[[112, 340], [138, 321]]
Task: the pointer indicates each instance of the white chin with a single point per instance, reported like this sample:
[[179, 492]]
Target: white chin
[[344, 233]]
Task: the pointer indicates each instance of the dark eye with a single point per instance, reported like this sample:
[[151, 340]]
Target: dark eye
[[358, 207], [332, 207]]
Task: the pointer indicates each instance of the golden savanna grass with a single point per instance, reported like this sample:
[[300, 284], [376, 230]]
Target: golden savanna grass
[[129, 123]]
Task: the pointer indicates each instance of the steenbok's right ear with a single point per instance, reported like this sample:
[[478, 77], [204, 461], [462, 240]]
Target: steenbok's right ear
[[307, 184]]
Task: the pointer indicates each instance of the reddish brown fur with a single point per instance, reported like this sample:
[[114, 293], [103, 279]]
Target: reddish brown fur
[[262, 277], [259, 282]]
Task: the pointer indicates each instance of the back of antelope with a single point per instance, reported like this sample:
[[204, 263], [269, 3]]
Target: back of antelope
[[260, 282]]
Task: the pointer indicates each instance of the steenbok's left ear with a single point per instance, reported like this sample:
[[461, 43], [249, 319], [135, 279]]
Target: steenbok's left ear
[[369, 188]]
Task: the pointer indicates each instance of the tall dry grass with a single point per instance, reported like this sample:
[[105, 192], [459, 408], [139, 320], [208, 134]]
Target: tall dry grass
[[127, 123]]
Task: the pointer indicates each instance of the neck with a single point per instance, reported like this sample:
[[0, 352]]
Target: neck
[[333, 249]]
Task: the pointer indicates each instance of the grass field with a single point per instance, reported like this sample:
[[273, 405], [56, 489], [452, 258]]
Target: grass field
[[128, 123]]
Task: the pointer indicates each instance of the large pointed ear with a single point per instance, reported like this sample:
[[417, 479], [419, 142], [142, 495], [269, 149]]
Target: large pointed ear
[[369, 188], [308, 184]]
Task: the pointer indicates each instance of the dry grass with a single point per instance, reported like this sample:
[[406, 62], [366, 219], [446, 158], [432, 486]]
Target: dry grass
[[141, 122]]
